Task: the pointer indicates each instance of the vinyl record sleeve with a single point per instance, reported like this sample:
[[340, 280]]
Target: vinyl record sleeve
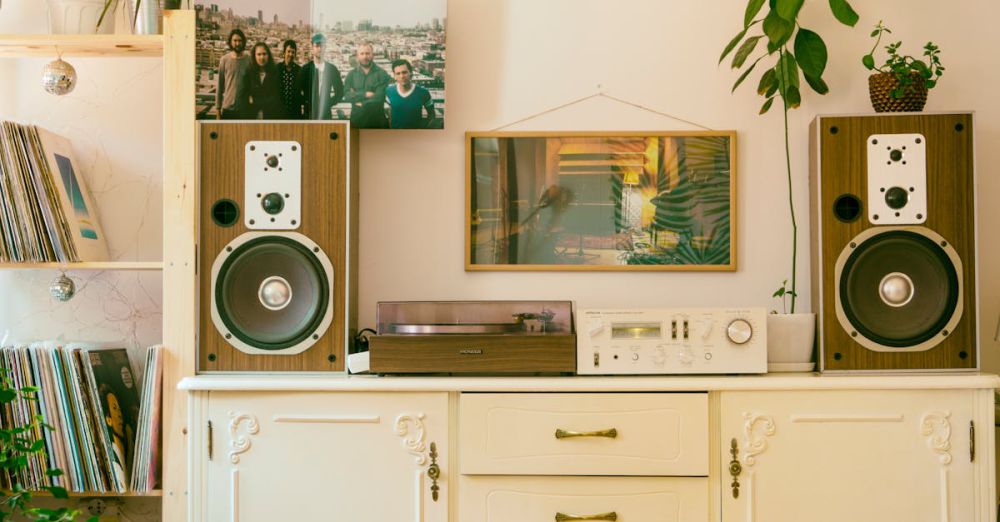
[[77, 205]]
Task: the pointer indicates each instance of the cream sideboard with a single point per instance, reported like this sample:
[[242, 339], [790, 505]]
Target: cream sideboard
[[689, 449]]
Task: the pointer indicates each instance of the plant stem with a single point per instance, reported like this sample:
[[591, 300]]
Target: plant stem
[[791, 203]]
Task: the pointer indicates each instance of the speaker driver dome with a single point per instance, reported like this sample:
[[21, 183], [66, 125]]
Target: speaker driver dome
[[898, 289], [271, 293]]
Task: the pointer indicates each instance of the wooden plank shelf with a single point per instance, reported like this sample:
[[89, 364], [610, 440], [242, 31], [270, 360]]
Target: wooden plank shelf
[[85, 494], [81, 45], [103, 265]]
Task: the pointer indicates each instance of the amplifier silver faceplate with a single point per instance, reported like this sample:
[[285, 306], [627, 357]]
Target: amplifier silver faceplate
[[665, 341]]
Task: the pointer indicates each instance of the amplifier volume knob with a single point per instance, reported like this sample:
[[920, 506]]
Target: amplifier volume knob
[[739, 331]]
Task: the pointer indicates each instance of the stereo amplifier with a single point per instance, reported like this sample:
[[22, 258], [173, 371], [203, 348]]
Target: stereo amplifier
[[671, 341]]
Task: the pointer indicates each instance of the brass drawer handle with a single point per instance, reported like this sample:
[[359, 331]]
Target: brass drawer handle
[[735, 468], [566, 434], [563, 517], [434, 472]]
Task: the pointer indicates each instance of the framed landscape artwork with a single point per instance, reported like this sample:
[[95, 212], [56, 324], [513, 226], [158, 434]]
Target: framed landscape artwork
[[636, 201]]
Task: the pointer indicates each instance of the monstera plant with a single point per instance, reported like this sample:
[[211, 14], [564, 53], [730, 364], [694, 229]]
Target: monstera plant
[[773, 40]]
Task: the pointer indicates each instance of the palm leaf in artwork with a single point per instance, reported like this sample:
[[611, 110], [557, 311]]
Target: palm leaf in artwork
[[713, 252], [698, 206]]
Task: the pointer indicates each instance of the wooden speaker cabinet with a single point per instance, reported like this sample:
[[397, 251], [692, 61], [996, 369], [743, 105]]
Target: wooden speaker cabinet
[[277, 246], [894, 260]]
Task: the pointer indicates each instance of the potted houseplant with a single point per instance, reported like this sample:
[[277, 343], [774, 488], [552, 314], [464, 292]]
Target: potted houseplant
[[794, 53], [17, 444], [902, 82]]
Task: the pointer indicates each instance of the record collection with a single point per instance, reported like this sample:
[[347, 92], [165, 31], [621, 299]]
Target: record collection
[[46, 213], [102, 436]]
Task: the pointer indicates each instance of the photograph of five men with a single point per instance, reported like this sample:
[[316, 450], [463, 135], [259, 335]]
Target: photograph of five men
[[379, 64]]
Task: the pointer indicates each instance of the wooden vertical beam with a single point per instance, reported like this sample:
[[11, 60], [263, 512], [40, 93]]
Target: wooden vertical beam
[[179, 243]]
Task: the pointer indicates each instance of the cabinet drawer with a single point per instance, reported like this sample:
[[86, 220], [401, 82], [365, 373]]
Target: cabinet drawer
[[584, 434], [542, 499]]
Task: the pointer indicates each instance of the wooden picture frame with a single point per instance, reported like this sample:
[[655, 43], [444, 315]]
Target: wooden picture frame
[[600, 201]]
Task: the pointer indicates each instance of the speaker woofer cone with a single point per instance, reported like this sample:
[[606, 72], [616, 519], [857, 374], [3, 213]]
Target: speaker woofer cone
[[898, 289], [272, 293]]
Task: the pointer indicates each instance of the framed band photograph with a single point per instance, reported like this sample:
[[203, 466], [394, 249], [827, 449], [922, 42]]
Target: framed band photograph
[[378, 63], [627, 201]]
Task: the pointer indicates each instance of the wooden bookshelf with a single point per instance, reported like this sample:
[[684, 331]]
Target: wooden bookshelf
[[81, 45], [103, 265], [86, 494]]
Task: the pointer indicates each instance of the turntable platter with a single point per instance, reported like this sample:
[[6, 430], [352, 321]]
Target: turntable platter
[[460, 328]]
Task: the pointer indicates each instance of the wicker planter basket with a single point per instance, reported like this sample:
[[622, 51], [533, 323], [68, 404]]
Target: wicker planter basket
[[881, 85]]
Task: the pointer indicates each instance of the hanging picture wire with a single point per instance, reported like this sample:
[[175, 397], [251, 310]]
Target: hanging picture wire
[[601, 94]]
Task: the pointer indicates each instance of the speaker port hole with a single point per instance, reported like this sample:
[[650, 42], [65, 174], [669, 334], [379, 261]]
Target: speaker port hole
[[847, 208], [225, 213]]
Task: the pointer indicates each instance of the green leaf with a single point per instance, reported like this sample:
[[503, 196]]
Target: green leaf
[[789, 9], [810, 51], [39, 445], [753, 7], [788, 73], [779, 292], [57, 491], [767, 105], [732, 44], [843, 12], [741, 55], [792, 97], [7, 395], [868, 61], [744, 75], [777, 29], [56, 472], [874, 33], [767, 81], [817, 84]]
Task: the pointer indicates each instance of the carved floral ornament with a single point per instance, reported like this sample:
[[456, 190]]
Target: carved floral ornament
[[411, 429], [937, 428], [241, 443], [756, 429]]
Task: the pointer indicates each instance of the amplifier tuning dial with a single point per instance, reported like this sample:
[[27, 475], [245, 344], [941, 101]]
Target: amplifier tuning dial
[[739, 331]]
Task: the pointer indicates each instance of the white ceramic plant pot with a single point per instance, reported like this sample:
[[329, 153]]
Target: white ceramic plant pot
[[790, 342], [79, 17]]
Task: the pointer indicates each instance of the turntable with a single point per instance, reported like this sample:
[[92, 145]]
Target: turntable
[[478, 337]]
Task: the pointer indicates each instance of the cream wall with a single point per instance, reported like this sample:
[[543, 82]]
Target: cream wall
[[514, 58]]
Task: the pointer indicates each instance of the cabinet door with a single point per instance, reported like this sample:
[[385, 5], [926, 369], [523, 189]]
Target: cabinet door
[[864, 456], [326, 456]]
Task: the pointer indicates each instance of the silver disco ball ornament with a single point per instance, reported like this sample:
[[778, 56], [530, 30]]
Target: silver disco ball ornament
[[58, 77], [62, 288]]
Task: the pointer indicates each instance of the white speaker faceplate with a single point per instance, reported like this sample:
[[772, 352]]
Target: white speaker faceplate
[[897, 179], [273, 180]]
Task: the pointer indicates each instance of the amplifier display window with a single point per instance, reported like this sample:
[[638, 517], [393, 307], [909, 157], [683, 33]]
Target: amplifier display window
[[635, 331]]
